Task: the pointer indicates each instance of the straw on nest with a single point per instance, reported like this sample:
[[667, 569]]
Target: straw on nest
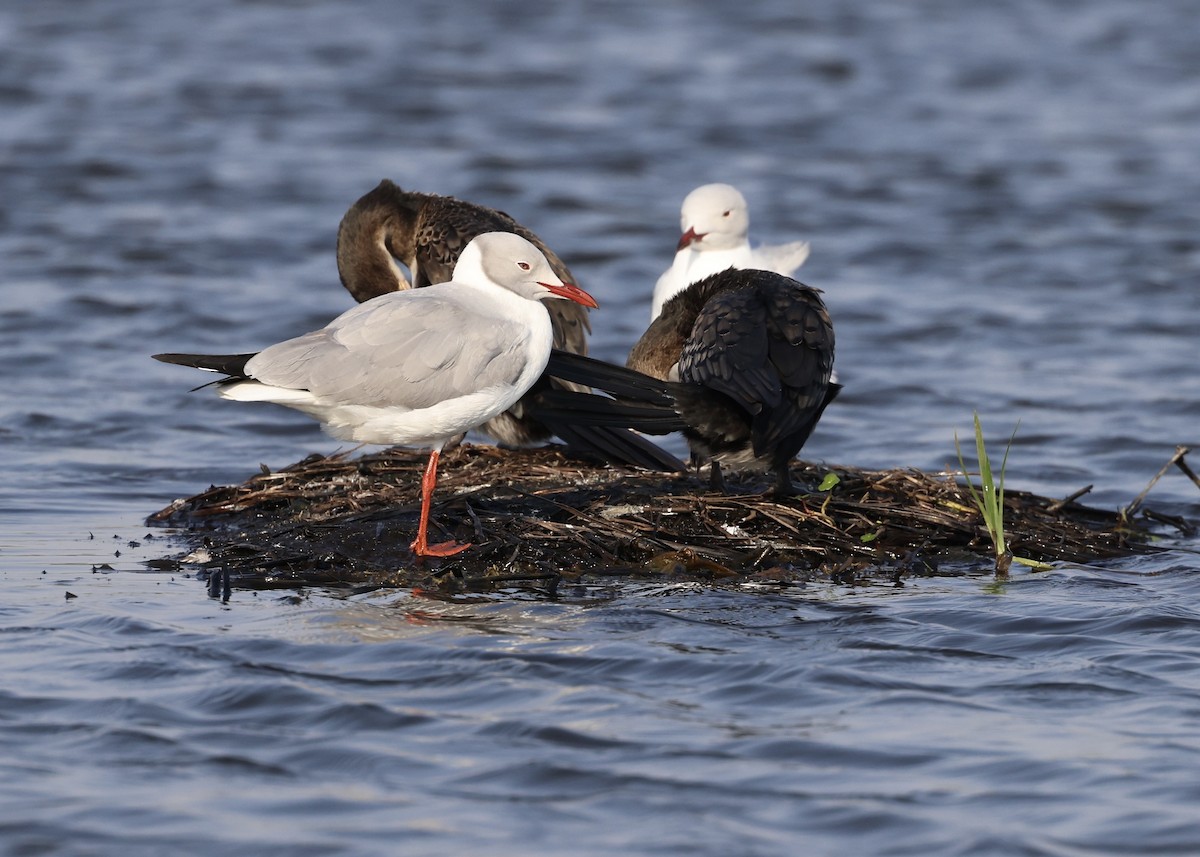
[[536, 516]]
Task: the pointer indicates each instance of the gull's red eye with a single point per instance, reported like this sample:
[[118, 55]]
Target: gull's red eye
[[524, 266]]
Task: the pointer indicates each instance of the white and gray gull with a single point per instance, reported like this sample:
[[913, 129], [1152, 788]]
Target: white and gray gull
[[715, 222], [416, 368], [394, 239]]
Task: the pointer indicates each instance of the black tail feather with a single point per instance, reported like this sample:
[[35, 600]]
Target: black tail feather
[[615, 380], [233, 365], [568, 406], [613, 445]]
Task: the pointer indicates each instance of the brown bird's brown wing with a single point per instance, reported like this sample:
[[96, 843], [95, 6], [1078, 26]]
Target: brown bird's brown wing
[[447, 225]]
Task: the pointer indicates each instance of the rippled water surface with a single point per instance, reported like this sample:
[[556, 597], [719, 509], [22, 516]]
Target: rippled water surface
[[1002, 204]]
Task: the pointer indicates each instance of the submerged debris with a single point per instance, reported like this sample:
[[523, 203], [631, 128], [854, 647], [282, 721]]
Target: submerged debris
[[536, 517]]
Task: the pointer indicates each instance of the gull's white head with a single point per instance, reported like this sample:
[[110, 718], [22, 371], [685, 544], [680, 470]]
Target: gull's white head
[[509, 261], [714, 217]]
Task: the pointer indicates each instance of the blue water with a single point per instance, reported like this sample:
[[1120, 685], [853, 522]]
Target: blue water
[[1001, 200]]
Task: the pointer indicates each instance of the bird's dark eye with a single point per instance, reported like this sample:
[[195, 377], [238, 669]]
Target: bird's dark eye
[[524, 266], [726, 214]]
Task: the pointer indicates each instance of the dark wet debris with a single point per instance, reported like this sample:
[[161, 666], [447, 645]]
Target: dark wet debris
[[537, 519]]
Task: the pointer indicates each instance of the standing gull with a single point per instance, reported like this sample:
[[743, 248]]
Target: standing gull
[[715, 223], [415, 368], [392, 240]]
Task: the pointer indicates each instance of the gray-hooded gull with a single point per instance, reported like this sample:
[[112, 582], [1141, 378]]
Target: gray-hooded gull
[[715, 222], [389, 227], [416, 368], [740, 362]]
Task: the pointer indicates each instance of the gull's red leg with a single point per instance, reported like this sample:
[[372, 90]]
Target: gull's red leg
[[420, 547]]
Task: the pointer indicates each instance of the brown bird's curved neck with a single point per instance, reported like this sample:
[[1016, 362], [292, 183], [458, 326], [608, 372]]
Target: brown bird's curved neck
[[378, 229]]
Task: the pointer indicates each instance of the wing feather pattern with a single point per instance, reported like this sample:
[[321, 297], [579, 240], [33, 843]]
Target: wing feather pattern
[[408, 352]]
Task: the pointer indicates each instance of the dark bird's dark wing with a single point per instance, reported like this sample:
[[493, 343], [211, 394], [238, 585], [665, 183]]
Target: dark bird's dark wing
[[800, 347], [729, 351], [768, 347]]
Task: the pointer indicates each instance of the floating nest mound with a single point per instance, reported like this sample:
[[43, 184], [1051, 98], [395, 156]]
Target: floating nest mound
[[537, 518]]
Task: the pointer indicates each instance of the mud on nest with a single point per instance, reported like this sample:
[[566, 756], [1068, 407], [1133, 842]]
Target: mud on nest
[[537, 518]]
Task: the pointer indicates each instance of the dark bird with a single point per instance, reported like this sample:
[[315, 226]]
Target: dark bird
[[744, 359], [418, 367], [389, 227]]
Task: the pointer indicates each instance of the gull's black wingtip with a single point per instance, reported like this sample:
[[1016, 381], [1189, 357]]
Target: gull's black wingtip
[[233, 365], [180, 359]]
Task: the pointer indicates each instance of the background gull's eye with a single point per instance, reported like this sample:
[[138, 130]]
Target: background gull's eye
[[727, 213]]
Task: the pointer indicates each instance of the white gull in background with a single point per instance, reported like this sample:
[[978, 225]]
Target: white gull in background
[[415, 368], [715, 223]]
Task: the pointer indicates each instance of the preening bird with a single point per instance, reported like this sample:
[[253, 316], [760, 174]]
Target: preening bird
[[715, 225], [743, 360], [419, 367], [389, 227]]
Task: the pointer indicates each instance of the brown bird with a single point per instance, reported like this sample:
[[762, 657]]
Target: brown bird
[[390, 227]]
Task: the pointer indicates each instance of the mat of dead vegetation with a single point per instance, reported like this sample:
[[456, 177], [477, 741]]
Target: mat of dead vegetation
[[536, 518]]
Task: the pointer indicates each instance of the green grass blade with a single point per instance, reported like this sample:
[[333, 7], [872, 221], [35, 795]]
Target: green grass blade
[[993, 511], [989, 498], [962, 465], [1003, 470]]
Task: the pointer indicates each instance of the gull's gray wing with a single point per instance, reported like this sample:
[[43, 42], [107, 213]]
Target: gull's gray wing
[[409, 349]]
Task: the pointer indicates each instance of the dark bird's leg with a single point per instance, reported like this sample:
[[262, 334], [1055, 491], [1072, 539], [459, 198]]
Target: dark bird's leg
[[783, 482], [420, 546], [716, 480]]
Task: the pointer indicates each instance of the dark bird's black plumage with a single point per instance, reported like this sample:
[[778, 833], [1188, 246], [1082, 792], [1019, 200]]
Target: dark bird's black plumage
[[745, 357], [426, 233]]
